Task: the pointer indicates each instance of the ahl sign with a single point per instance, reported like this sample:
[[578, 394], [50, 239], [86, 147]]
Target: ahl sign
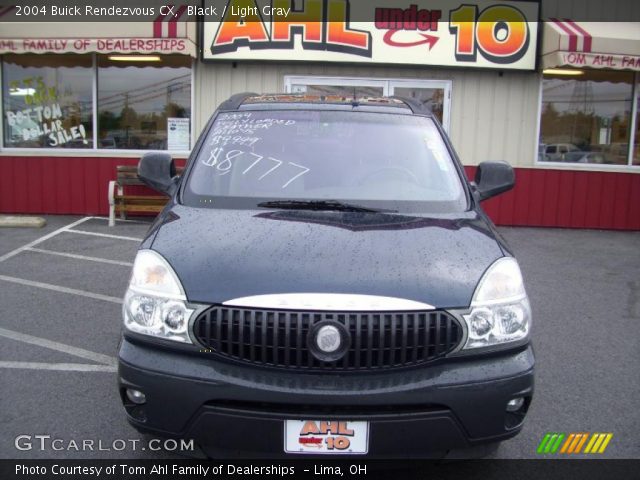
[[482, 33]]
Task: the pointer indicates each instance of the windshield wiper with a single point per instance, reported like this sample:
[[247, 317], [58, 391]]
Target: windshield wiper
[[320, 205]]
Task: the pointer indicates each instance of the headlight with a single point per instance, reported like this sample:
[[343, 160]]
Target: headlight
[[155, 303], [500, 311]]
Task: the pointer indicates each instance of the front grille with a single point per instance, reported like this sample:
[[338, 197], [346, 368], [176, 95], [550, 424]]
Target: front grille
[[278, 338]]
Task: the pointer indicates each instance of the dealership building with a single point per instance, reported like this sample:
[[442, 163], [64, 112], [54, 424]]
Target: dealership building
[[540, 85]]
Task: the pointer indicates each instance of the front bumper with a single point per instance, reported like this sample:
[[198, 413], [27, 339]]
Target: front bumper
[[238, 412]]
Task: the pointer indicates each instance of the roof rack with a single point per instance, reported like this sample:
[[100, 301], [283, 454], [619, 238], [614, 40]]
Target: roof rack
[[415, 106], [234, 102]]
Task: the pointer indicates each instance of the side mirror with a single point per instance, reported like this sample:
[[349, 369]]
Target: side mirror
[[158, 171], [493, 178]]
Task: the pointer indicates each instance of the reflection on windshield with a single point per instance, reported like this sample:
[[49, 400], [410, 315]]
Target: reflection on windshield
[[354, 157]]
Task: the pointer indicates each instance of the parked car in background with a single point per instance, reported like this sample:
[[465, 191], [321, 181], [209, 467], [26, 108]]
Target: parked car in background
[[616, 153], [542, 156], [585, 157], [556, 152]]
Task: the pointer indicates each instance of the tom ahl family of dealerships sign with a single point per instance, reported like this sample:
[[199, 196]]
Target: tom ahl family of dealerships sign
[[480, 33]]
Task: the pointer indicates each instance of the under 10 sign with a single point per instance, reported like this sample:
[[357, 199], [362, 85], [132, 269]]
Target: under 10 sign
[[485, 33]]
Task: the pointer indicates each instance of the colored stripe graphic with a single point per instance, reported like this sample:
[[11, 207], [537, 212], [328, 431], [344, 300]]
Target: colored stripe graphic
[[577, 443], [552, 439], [604, 445], [581, 442], [556, 445], [565, 447], [598, 443], [543, 443], [573, 443], [550, 443], [590, 444]]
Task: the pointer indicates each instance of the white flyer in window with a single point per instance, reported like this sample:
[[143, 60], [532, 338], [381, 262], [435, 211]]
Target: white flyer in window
[[178, 134]]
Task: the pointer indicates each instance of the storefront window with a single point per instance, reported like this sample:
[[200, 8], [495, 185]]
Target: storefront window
[[47, 101], [144, 103], [586, 117]]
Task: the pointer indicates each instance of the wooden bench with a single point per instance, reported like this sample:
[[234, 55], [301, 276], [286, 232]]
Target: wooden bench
[[119, 201]]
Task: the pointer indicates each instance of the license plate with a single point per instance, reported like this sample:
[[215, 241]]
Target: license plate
[[333, 437]]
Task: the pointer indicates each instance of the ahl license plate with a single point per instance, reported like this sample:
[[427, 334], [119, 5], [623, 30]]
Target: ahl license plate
[[326, 437]]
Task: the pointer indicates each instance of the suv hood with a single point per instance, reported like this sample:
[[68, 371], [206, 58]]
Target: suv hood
[[221, 255]]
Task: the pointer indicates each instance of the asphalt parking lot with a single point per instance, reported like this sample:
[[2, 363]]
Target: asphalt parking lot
[[60, 321]]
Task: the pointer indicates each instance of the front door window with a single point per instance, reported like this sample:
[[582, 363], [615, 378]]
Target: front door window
[[435, 94], [434, 98], [341, 90]]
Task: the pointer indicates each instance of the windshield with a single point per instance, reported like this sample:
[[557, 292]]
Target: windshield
[[258, 159]]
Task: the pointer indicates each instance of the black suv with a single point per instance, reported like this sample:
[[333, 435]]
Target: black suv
[[324, 281]]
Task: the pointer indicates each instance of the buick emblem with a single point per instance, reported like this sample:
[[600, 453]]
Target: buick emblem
[[328, 339]]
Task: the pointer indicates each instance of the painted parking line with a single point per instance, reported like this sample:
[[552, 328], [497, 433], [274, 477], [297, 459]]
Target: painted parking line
[[58, 288], [105, 363], [105, 235], [106, 219], [59, 347], [39, 240], [65, 367], [80, 257]]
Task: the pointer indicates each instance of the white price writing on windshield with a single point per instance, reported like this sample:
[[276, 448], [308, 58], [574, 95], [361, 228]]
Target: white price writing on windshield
[[223, 163]]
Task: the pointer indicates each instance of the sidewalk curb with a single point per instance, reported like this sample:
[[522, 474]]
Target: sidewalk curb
[[21, 221]]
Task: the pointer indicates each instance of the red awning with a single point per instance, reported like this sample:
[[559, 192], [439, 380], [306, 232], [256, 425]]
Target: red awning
[[606, 45], [165, 34]]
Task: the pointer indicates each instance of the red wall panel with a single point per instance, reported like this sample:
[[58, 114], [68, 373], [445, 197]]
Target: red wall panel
[[565, 200], [541, 198], [633, 217], [579, 201], [568, 198]]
